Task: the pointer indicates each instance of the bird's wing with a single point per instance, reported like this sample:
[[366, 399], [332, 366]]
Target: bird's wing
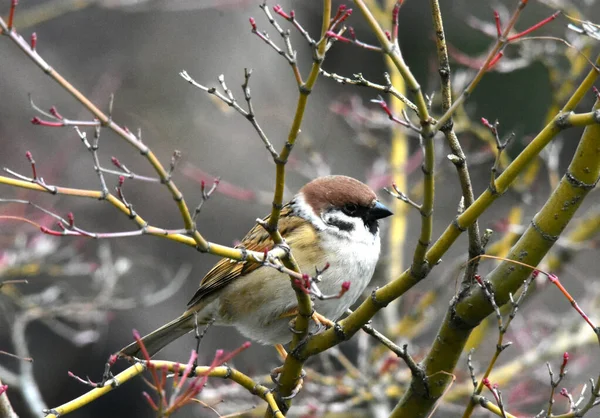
[[226, 270]]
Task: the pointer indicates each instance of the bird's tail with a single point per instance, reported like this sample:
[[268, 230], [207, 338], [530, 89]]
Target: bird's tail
[[157, 340]]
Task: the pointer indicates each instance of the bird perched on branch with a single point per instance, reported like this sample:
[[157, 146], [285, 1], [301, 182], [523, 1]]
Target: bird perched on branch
[[332, 221]]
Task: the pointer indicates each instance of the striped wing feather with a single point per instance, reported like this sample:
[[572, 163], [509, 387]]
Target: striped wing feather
[[225, 271]]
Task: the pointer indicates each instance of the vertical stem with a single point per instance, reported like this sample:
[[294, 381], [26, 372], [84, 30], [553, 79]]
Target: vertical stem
[[292, 368], [448, 131], [397, 230], [420, 267]]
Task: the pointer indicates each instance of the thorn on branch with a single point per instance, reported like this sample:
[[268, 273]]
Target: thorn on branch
[[279, 10], [11, 14], [33, 42], [121, 196], [564, 392], [119, 188], [38, 180], [332, 34], [37, 121], [488, 291], [554, 383], [498, 24], [49, 114], [564, 364], [318, 272], [289, 54], [472, 368], [341, 16], [32, 162], [384, 106], [175, 158], [48, 231], [87, 381], [500, 147], [54, 112], [534, 27], [59, 120], [495, 60], [496, 393], [352, 40], [340, 12], [205, 195], [115, 161], [398, 194], [291, 17], [395, 14], [129, 174], [111, 101]]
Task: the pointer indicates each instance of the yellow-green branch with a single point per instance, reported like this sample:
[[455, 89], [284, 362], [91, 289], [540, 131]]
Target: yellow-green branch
[[224, 372]]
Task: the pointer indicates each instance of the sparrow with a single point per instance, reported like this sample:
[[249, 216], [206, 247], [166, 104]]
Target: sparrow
[[332, 220]]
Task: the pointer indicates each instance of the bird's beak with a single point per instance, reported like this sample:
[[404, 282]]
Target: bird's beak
[[379, 211]]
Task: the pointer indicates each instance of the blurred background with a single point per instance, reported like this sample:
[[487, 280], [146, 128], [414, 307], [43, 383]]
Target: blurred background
[[136, 49]]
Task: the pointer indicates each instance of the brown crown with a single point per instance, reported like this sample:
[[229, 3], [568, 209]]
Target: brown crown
[[337, 191]]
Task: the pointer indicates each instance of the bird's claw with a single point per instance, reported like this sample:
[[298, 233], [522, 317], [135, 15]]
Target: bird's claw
[[275, 374]]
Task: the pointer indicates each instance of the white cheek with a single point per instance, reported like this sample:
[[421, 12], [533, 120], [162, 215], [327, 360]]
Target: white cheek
[[359, 234], [305, 211]]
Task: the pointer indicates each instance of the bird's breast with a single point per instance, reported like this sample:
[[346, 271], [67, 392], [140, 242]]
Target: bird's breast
[[353, 262]]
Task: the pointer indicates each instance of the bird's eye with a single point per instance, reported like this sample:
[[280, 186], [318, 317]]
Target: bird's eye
[[350, 209]]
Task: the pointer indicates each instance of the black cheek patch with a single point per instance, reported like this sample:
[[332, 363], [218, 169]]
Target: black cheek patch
[[371, 225], [341, 225]]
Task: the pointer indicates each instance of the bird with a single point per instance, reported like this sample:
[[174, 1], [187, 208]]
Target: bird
[[332, 220]]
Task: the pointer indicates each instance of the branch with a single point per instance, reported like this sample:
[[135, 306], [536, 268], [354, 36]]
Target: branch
[[383, 296], [224, 372], [460, 160], [107, 122], [420, 267], [292, 368]]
